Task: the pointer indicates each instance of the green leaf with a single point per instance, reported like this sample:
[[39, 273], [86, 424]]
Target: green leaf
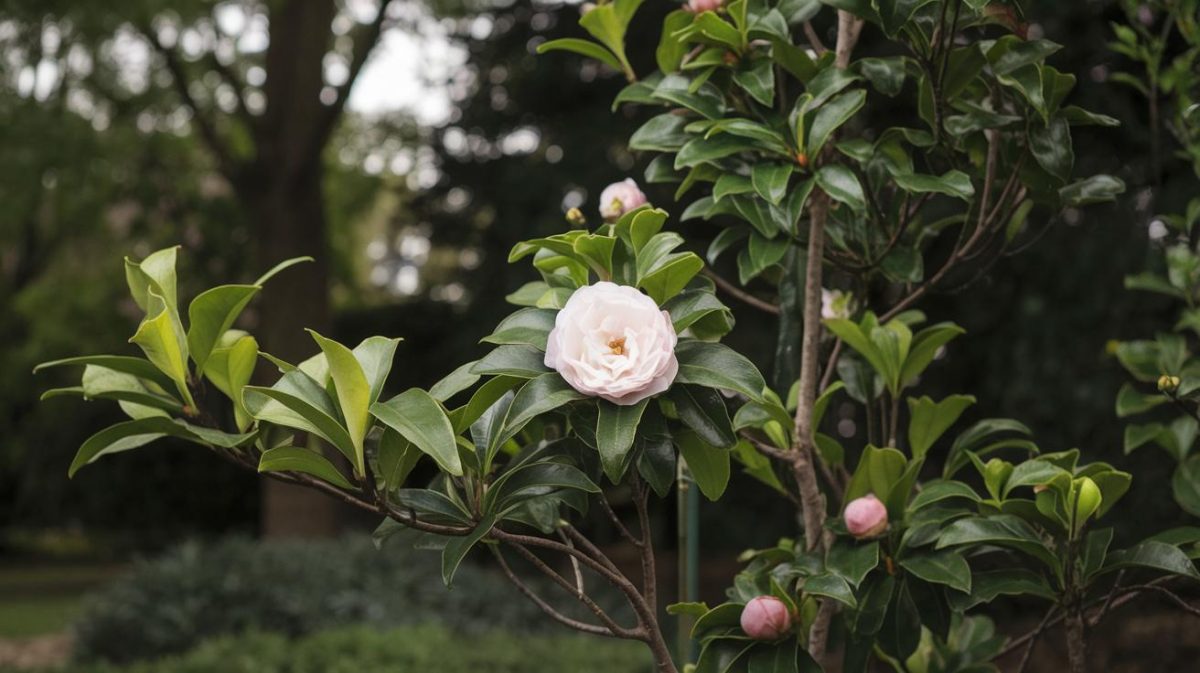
[[929, 420], [528, 326], [830, 117], [708, 465], [616, 428], [758, 80], [663, 133], [417, 416], [397, 458], [296, 459], [940, 567], [455, 382], [952, 183], [852, 562], [830, 586], [159, 270], [540, 395], [877, 472], [842, 185], [776, 658], [353, 393], [161, 338], [940, 490], [704, 411], [925, 346], [457, 547], [1131, 401], [138, 367], [525, 362], [770, 181], [1185, 485], [1155, 556], [1003, 530], [589, 49], [715, 365], [210, 314], [1051, 146], [230, 369], [298, 402], [139, 432], [1096, 189]]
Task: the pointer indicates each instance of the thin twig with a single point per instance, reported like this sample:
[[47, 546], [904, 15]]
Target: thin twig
[[574, 563], [546, 607], [740, 294], [649, 571], [635, 633], [616, 521], [814, 39], [1034, 638]]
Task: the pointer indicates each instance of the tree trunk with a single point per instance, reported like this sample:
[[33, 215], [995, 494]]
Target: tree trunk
[[283, 192], [290, 221]]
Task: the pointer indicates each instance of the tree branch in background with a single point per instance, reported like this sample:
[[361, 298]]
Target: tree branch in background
[[365, 40], [203, 119]]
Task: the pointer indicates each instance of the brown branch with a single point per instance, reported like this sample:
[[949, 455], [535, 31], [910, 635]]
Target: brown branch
[[364, 41], [616, 521], [557, 616], [814, 39], [649, 572], [1034, 638], [589, 546], [736, 292], [830, 366], [636, 633]]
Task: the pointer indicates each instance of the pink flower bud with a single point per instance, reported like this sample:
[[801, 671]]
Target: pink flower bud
[[620, 198], [698, 6], [866, 517], [766, 618]]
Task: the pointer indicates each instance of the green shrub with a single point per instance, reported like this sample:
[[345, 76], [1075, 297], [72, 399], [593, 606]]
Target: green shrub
[[293, 588], [410, 650]]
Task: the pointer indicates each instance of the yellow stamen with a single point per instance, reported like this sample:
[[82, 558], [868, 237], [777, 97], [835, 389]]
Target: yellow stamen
[[617, 346]]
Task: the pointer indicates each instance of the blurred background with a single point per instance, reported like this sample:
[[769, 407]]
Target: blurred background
[[407, 145]]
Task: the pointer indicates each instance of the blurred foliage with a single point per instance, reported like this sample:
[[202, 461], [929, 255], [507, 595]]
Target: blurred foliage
[[361, 649], [294, 588]]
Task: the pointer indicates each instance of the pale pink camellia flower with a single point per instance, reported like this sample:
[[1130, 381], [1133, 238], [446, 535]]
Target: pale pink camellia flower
[[866, 517], [620, 198], [611, 341], [835, 304], [766, 618], [698, 6]]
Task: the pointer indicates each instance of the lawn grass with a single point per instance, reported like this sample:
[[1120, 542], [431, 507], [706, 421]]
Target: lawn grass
[[41, 598]]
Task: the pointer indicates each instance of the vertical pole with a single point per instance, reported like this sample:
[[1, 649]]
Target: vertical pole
[[687, 503]]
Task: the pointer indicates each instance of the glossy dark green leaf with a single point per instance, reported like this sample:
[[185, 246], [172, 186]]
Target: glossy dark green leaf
[[297, 459], [524, 362], [946, 567], [708, 465], [715, 365]]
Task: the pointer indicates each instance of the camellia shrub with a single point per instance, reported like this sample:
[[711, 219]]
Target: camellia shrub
[[846, 187]]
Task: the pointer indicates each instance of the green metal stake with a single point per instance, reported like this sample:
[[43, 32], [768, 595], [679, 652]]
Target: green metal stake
[[688, 524]]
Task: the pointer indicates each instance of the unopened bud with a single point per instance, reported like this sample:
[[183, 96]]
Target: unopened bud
[[766, 618], [866, 517], [620, 198], [730, 58], [802, 159], [575, 218], [1168, 383], [697, 6]]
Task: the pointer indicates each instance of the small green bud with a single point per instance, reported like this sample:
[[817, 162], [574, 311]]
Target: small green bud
[[575, 218], [1168, 383]]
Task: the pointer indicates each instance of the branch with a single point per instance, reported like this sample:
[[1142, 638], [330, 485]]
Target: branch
[[637, 633], [364, 42], [1034, 637], [616, 520], [546, 607], [649, 572], [736, 292], [814, 39], [228, 166]]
